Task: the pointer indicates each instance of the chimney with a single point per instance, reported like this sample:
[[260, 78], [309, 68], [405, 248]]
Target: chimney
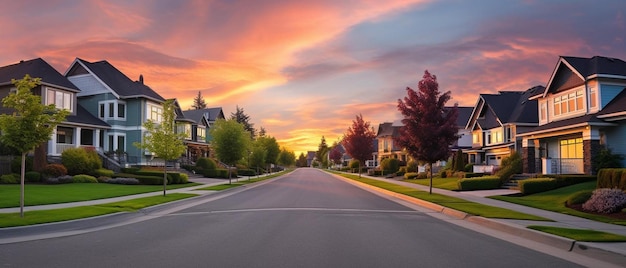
[[141, 78]]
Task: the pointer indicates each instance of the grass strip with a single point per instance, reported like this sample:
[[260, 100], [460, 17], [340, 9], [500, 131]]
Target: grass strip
[[45, 194], [554, 200], [73, 213], [582, 235], [451, 184], [448, 201]]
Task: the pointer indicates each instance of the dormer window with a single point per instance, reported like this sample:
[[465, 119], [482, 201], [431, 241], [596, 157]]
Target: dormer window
[[61, 99]]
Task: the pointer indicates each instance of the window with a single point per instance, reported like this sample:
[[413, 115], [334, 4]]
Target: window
[[112, 110], [155, 113], [60, 99], [542, 112], [593, 103], [121, 110], [571, 148], [201, 132], [101, 112], [569, 103]]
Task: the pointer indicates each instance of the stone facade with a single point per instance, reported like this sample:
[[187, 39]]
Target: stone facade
[[591, 148]]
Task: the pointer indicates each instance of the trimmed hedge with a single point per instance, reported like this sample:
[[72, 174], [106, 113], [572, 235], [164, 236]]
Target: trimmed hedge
[[579, 197], [10, 178], [246, 172], [410, 175], [571, 179], [479, 183], [538, 185], [54, 170], [143, 179], [32, 176], [104, 172], [83, 178], [612, 178]]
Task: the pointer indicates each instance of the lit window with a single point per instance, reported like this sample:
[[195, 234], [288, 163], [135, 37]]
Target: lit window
[[60, 99]]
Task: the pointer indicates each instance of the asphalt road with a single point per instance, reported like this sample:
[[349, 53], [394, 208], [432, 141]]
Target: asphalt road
[[306, 219]]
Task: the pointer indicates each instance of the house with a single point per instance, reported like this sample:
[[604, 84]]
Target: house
[[80, 128], [495, 124], [205, 117], [122, 103], [195, 130], [581, 111]]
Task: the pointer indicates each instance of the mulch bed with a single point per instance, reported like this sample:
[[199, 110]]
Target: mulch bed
[[618, 215]]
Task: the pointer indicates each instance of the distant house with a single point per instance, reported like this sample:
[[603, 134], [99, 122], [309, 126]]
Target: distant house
[[124, 104], [80, 128], [205, 117], [581, 110], [310, 157], [495, 124], [195, 130]]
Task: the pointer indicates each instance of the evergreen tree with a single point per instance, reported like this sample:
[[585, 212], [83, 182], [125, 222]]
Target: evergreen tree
[[322, 151], [198, 102], [428, 129], [241, 117]]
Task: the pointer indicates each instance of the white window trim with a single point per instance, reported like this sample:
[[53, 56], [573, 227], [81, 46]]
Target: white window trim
[[70, 94], [579, 111], [107, 104]]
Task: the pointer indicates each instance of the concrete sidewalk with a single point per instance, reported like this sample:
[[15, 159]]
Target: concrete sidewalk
[[519, 227]]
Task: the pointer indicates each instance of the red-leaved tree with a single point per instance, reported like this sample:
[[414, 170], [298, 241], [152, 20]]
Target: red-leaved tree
[[428, 127], [358, 141], [335, 154]]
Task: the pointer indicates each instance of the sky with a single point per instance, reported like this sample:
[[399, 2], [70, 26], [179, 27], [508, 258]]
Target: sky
[[305, 69]]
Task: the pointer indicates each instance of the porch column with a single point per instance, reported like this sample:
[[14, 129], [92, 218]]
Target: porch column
[[591, 148], [77, 135], [528, 156], [52, 145], [96, 139]]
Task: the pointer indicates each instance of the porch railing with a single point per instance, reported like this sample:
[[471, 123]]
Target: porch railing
[[562, 166]]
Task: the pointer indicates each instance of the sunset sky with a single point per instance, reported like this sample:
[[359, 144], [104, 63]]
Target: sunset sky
[[305, 69]]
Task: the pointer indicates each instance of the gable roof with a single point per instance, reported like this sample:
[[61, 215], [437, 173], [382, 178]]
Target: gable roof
[[115, 80], [211, 114], [387, 129], [464, 114], [85, 118], [506, 107], [36, 68], [615, 108], [573, 71]]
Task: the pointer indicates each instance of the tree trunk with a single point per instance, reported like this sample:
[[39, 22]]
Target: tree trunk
[[359, 169], [23, 171], [430, 185], [229, 180], [164, 177]]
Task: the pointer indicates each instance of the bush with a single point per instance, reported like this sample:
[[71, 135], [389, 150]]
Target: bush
[[567, 180], [79, 161], [130, 170], [16, 164], [510, 165], [246, 172], [538, 185], [32, 176], [54, 170], [391, 165], [125, 181], [103, 179], [479, 183], [83, 178], [411, 166], [143, 179], [354, 165], [206, 163], [10, 178], [472, 175], [605, 201], [612, 178], [59, 180], [606, 159], [410, 175], [469, 167], [579, 197], [103, 172]]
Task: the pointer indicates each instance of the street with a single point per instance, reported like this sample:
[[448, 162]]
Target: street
[[306, 219]]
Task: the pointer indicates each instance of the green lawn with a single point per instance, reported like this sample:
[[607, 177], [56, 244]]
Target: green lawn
[[555, 201], [441, 183], [66, 214], [580, 234], [43, 194], [448, 201]]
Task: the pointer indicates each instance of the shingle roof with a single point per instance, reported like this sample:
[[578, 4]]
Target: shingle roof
[[36, 68], [597, 65], [212, 114], [120, 83], [464, 116], [514, 106], [387, 129], [84, 117]]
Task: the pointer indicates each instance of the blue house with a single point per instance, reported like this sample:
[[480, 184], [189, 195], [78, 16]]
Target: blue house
[[124, 104], [581, 111]]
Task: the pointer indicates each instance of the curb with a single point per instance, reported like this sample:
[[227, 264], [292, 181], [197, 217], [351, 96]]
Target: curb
[[559, 242]]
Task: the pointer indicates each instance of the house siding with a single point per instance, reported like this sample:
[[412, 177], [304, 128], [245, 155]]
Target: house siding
[[608, 92], [88, 84], [615, 140]]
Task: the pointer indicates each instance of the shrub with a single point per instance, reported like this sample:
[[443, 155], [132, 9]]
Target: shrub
[[391, 165], [77, 161], [59, 180], [479, 183], [612, 178], [93, 159], [605, 201], [16, 164], [103, 172], [571, 179], [206, 163], [354, 164], [538, 185], [143, 179], [579, 197], [411, 166], [10, 178], [32, 176], [54, 170], [83, 178], [509, 166], [472, 175], [410, 175], [131, 170], [606, 159], [125, 181], [469, 167], [246, 172], [103, 179]]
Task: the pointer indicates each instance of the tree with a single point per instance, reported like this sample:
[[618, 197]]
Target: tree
[[241, 117], [358, 141], [262, 132], [301, 162], [429, 128], [230, 141], [31, 123], [198, 102], [271, 147], [257, 155], [335, 154], [286, 157], [322, 152], [162, 140]]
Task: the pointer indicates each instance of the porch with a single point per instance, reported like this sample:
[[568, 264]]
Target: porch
[[65, 137]]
